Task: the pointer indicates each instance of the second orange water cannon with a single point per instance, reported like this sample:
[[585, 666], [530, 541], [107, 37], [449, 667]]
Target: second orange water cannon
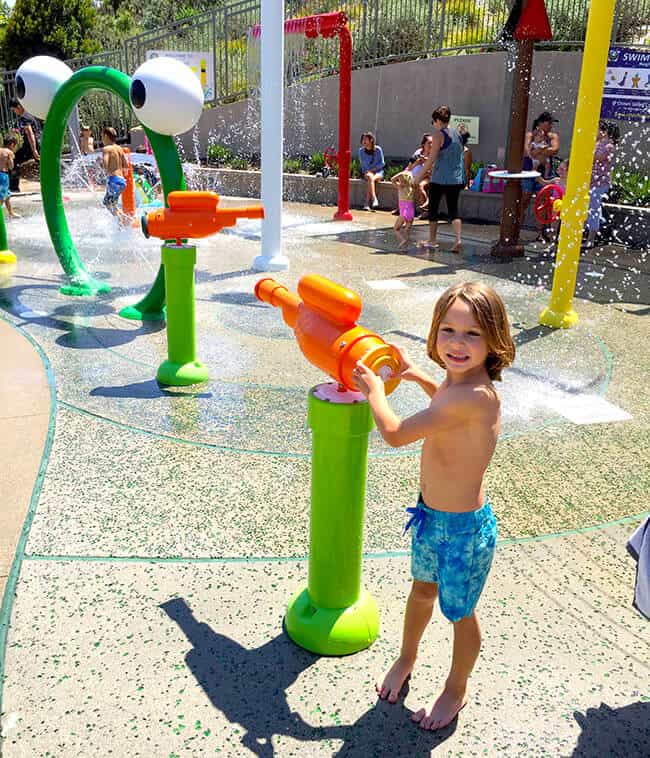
[[194, 215], [323, 316]]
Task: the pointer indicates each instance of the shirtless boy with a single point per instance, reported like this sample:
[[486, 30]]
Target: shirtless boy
[[6, 165], [116, 166], [454, 529]]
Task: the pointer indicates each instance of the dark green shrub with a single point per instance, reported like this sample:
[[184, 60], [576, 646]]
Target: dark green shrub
[[391, 170], [316, 163], [292, 165], [630, 188], [220, 155], [239, 163]]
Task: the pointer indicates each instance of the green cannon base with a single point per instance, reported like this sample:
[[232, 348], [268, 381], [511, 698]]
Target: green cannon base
[[182, 374], [332, 631], [133, 313], [84, 287]]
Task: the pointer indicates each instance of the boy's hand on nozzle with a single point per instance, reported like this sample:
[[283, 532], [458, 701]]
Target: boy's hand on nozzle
[[366, 381], [407, 370]]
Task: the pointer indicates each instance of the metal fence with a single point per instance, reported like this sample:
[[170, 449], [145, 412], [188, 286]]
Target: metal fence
[[383, 31]]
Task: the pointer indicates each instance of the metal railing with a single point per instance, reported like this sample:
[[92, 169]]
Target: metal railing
[[383, 31]]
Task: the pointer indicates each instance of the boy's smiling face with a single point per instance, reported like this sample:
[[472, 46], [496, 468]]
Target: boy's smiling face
[[460, 342]]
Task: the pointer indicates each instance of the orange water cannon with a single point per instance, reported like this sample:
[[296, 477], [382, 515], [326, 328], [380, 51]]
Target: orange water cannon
[[193, 215], [323, 316]]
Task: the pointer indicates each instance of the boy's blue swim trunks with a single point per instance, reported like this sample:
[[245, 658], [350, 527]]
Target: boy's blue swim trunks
[[454, 551], [4, 186], [115, 186]]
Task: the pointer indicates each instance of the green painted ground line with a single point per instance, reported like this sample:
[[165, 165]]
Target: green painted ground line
[[298, 558], [14, 572]]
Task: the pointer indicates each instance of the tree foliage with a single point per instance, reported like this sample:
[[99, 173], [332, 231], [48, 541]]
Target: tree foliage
[[61, 28]]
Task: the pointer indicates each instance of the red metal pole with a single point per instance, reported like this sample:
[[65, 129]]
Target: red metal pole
[[345, 105]]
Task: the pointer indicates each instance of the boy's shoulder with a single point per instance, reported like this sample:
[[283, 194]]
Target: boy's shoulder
[[470, 399]]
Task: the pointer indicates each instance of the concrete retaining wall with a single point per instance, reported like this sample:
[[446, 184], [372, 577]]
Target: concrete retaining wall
[[395, 101]]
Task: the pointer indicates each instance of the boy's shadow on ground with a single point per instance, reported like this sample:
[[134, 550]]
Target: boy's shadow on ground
[[613, 731], [249, 688]]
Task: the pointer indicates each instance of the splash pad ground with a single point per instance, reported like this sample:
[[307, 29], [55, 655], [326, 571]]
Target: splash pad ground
[[171, 526]]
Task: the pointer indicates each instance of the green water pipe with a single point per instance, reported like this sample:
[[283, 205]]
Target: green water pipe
[[333, 615], [181, 367], [6, 256], [171, 174]]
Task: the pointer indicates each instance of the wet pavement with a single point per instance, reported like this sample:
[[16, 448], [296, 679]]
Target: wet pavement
[[171, 525]]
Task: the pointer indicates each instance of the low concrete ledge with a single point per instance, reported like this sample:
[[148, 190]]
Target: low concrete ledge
[[305, 188]]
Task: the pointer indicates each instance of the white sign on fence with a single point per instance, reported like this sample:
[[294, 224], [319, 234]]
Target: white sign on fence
[[200, 63], [466, 123]]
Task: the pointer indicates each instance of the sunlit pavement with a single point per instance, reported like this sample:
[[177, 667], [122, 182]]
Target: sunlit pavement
[[171, 526]]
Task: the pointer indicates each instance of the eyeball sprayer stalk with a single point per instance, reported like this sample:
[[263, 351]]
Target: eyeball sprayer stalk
[[189, 215], [323, 316]]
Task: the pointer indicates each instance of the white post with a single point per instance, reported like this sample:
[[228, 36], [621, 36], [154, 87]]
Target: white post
[[272, 75]]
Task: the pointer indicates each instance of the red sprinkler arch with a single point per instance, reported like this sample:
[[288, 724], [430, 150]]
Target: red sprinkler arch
[[330, 25]]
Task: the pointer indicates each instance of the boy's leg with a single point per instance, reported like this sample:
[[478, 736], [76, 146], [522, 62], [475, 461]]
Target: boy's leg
[[406, 233], [10, 210], [419, 608], [467, 645]]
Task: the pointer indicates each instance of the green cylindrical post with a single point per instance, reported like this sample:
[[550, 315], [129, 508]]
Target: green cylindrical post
[[181, 368], [333, 615], [6, 256]]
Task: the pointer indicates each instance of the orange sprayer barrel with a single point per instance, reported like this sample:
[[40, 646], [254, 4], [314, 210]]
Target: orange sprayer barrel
[[194, 215], [323, 316], [128, 196]]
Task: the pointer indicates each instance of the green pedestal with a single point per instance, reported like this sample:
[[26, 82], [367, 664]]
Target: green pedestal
[[152, 306], [181, 367], [333, 615]]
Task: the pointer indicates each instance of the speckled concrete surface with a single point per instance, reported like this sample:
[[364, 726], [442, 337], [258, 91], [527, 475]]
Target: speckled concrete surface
[[105, 657], [143, 660]]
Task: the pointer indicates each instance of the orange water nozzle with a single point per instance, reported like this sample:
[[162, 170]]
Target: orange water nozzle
[[323, 316], [194, 215]]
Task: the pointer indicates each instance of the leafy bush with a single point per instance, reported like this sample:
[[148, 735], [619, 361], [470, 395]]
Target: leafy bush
[[292, 165], [239, 163], [391, 170], [630, 188], [355, 169], [316, 163], [220, 155]]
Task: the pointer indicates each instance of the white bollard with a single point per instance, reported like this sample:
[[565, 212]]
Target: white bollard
[[272, 75]]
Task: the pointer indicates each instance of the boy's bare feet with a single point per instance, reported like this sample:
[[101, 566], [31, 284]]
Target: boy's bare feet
[[444, 711], [404, 243], [395, 679], [457, 248]]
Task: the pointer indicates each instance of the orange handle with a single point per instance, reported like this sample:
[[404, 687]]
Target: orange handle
[[194, 215], [326, 332]]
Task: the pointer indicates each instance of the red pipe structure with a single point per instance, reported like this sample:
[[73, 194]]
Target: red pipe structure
[[329, 25]]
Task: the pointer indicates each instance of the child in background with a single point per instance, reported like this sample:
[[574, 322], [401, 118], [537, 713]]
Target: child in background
[[454, 530], [116, 166], [601, 177], [6, 165], [405, 184], [86, 141], [371, 158]]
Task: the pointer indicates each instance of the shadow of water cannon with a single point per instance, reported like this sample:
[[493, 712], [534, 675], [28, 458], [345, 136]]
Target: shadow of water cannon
[[323, 316]]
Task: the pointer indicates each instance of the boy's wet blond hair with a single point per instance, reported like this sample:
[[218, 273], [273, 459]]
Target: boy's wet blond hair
[[490, 314]]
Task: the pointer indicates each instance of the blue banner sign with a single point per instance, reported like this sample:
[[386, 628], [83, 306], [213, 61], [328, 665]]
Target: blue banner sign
[[626, 96]]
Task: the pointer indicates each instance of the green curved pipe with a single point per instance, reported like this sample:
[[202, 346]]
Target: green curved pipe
[[171, 175]]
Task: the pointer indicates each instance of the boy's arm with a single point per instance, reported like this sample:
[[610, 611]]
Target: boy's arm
[[452, 406], [10, 160], [105, 160]]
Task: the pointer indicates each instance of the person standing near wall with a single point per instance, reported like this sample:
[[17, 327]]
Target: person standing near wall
[[447, 176], [29, 150], [601, 177]]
